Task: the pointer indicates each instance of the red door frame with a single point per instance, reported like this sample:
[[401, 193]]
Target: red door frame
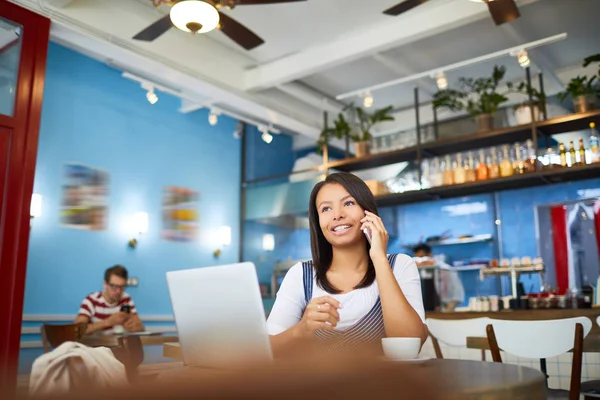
[[14, 213]]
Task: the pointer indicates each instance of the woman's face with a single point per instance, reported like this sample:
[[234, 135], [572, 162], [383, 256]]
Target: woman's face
[[339, 216]]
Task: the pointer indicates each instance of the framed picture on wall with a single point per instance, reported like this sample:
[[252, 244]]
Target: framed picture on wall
[[180, 214], [84, 203]]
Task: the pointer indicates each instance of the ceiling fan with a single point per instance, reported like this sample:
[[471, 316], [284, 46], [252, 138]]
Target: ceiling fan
[[201, 16], [502, 11]]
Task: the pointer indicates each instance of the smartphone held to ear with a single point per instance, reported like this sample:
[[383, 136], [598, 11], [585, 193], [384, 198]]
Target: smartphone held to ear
[[367, 233]]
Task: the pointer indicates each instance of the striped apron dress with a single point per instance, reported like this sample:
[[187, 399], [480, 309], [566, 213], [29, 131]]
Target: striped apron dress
[[368, 330]]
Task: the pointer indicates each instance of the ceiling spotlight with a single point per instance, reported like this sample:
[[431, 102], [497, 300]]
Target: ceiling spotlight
[[213, 118], [151, 96], [441, 81], [267, 137], [194, 16], [523, 58], [368, 100]]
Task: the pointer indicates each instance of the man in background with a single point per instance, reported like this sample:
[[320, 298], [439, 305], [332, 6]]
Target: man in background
[[448, 289], [111, 307]]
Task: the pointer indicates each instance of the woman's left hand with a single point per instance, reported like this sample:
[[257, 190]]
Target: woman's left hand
[[379, 236]]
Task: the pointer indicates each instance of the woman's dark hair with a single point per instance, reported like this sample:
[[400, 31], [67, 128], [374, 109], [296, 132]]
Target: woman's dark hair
[[322, 252]]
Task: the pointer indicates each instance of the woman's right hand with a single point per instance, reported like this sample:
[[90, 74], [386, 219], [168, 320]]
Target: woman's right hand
[[321, 313]]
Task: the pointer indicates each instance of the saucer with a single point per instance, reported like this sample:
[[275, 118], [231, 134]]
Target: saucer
[[419, 358]]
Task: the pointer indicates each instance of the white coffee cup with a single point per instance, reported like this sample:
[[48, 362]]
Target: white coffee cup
[[401, 348]]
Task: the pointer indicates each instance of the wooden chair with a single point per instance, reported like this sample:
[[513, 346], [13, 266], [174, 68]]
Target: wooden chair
[[55, 335], [591, 389], [541, 340], [455, 332], [130, 353]]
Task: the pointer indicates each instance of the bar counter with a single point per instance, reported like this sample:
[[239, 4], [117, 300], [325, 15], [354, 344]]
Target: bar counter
[[523, 315]]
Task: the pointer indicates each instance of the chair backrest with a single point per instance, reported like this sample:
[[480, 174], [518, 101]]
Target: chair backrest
[[538, 339], [55, 335], [130, 353], [454, 332]]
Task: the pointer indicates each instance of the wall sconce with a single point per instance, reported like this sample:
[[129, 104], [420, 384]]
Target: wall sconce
[[224, 239], [268, 242], [35, 209], [139, 224]]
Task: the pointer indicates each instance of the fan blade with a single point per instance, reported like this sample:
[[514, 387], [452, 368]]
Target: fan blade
[[403, 7], [155, 30], [503, 11], [239, 33], [259, 2]]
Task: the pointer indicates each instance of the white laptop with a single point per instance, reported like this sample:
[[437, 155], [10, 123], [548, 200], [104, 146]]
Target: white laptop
[[219, 315]]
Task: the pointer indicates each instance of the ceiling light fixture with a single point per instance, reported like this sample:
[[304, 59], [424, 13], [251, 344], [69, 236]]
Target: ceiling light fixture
[[523, 58], [213, 118], [151, 96], [441, 81], [368, 100], [267, 137], [194, 16]]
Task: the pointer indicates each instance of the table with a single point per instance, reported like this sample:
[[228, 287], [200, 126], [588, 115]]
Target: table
[[465, 379], [99, 339], [591, 343], [172, 350]]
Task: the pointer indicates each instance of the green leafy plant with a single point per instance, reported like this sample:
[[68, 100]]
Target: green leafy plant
[[592, 59], [477, 96], [367, 121], [537, 97], [580, 86], [341, 128]]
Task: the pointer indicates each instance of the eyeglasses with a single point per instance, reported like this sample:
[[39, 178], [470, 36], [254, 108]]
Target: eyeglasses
[[117, 287]]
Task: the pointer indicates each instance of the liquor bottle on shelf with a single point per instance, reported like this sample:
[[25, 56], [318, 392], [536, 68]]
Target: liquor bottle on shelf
[[470, 171], [460, 175], [425, 174], [582, 160], [563, 154], [448, 172], [595, 154], [506, 166], [483, 172], [494, 166], [531, 162], [518, 165], [572, 157], [436, 177]]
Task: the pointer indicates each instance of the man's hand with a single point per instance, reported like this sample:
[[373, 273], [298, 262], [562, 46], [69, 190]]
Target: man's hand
[[117, 319], [134, 324]]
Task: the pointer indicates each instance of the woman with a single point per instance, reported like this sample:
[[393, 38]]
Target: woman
[[351, 292]]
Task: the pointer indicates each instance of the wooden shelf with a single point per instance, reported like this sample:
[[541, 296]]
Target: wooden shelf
[[569, 123], [512, 182], [375, 160], [448, 242], [475, 141], [530, 269]]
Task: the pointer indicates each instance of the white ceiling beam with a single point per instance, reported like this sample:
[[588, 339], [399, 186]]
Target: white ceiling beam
[[311, 97], [195, 88], [58, 3], [188, 106], [539, 60], [401, 69], [427, 20]]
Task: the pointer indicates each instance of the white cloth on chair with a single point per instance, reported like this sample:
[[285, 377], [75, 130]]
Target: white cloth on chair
[[52, 373]]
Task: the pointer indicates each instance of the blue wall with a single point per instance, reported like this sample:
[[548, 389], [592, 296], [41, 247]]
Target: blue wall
[[91, 115]]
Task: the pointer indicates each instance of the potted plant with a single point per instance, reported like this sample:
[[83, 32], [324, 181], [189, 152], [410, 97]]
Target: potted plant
[[523, 110], [479, 97], [341, 129], [366, 122], [583, 91]]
